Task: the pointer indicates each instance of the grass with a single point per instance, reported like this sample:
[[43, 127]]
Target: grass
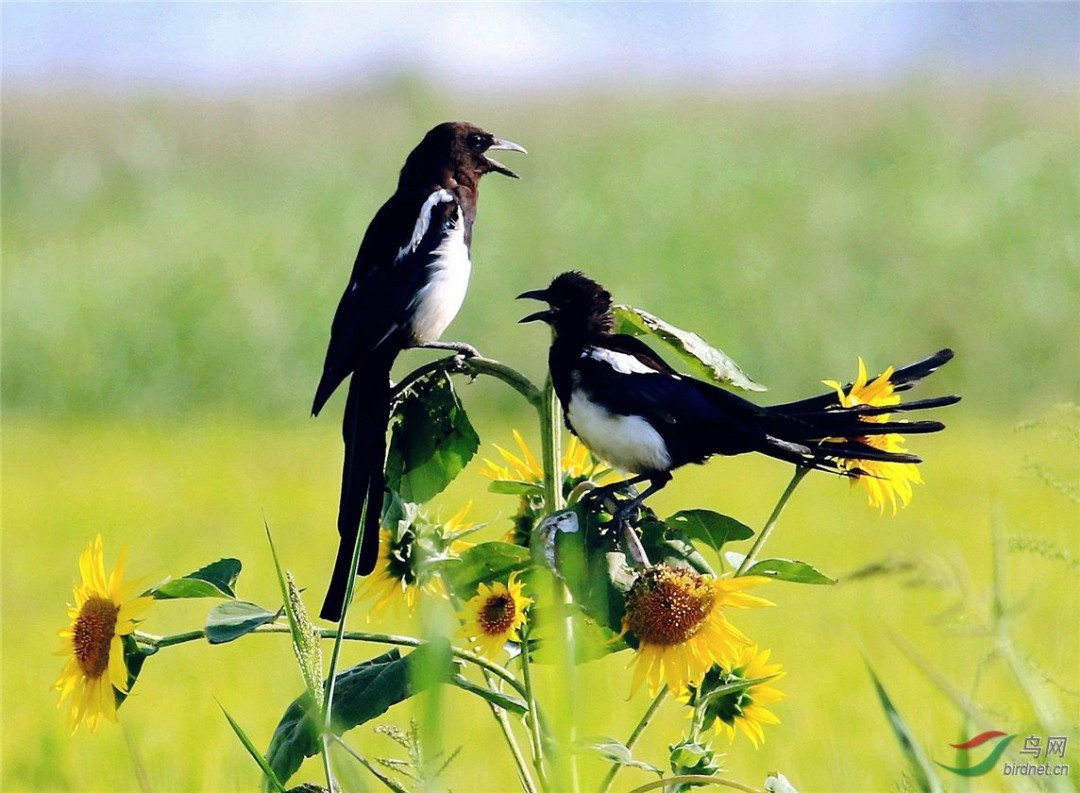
[[171, 255], [171, 265]]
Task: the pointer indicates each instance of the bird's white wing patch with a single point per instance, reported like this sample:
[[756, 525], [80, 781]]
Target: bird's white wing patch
[[627, 442], [621, 362], [440, 196]]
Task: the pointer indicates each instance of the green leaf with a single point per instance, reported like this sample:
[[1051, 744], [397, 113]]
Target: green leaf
[[920, 766], [701, 358], [361, 693], [134, 656], [484, 563], [296, 737], [504, 701], [432, 440], [505, 487], [235, 618], [270, 780], [617, 752], [789, 570], [709, 527], [213, 581]]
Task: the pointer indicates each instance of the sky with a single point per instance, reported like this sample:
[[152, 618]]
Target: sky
[[225, 46]]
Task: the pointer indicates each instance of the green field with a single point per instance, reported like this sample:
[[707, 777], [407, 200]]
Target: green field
[[171, 264]]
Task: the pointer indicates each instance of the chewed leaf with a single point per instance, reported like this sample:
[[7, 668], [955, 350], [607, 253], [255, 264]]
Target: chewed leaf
[[701, 358], [213, 581], [432, 440]]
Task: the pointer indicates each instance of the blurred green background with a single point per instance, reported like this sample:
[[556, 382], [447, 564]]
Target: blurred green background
[[172, 259]]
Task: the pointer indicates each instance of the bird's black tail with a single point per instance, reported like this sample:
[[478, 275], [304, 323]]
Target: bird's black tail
[[363, 429], [819, 431]]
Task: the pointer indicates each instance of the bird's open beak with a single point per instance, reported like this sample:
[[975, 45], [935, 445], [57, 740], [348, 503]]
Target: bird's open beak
[[506, 145], [535, 294]]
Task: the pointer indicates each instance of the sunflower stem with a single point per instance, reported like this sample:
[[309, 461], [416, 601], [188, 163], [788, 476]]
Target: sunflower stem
[[457, 364], [533, 721], [154, 642], [640, 728], [763, 536]]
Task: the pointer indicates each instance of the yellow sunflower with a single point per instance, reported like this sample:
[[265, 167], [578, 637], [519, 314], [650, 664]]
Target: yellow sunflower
[[103, 612], [577, 463], [405, 566], [523, 474], [677, 617], [495, 616], [743, 710], [883, 482]]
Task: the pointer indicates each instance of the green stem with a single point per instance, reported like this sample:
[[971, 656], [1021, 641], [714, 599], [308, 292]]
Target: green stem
[[379, 775], [700, 779], [640, 728], [504, 723], [335, 655], [533, 721], [457, 364], [800, 473], [155, 642]]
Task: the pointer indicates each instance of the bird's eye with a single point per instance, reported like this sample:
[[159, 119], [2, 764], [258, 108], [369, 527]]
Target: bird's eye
[[477, 142]]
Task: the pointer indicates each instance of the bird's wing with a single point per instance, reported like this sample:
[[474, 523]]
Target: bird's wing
[[694, 418], [390, 268]]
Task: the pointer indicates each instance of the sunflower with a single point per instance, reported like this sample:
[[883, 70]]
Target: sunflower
[[884, 482], [522, 473], [407, 554], [103, 612], [495, 615], [676, 615], [743, 709]]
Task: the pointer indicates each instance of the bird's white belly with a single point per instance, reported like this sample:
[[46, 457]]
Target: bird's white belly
[[440, 299], [627, 442]]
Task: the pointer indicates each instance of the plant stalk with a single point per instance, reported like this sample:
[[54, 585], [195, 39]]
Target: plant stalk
[[640, 728], [763, 536]]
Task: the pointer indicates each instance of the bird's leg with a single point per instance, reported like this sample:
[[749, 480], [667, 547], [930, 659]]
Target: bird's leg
[[600, 494], [460, 347], [622, 516]]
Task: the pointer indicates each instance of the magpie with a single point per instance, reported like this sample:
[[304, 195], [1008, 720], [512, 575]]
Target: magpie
[[642, 416], [407, 284]]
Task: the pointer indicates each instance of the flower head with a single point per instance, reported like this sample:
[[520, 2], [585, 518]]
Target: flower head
[[743, 709], [103, 612], [495, 615], [523, 473], [677, 617], [407, 556], [884, 482]]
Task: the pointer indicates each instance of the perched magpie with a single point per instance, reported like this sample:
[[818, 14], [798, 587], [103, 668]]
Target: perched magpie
[[407, 284], [642, 416]]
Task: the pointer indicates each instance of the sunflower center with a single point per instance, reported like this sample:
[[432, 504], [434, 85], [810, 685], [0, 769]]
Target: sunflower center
[[668, 606], [497, 614], [92, 633]]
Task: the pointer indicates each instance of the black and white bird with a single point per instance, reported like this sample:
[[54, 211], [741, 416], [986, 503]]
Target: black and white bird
[[642, 416], [407, 284]]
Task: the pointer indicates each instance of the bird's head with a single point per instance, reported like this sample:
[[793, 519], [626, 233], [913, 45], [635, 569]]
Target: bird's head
[[577, 306], [456, 151]]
